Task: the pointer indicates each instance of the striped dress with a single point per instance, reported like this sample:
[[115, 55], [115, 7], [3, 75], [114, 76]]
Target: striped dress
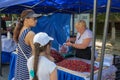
[[21, 70]]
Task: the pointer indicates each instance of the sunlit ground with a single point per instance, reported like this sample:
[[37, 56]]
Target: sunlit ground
[[111, 47]]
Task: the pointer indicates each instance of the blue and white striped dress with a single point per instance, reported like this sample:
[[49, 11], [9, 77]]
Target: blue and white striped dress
[[21, 71]]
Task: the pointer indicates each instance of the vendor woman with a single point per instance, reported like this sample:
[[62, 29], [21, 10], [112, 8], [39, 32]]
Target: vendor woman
[[83, 41]]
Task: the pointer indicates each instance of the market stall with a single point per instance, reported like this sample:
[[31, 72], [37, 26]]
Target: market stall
[[74, 68], [108, 72], [73, 6], [8, 46]]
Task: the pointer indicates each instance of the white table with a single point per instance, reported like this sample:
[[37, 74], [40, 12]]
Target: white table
[[8, 46]]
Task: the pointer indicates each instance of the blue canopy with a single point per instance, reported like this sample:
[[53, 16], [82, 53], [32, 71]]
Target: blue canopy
[[48, 6], [7, 3]]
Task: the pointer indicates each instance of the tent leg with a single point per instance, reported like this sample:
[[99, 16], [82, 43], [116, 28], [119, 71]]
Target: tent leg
[[104, 39], [113, 31], [94, 40], [0, 50], [73, 24]]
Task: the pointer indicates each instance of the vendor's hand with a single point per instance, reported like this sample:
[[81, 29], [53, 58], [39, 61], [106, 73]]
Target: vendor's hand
[[68, 40], [69, 44], [71, 40]]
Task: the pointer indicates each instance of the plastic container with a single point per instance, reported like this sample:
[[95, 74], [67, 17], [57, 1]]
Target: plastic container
[[8, 35]]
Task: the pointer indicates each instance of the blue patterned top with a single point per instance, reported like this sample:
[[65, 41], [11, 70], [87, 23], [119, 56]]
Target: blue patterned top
[[21, 70]]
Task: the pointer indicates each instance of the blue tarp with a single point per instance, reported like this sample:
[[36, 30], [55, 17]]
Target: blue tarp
[[56, 25], [62, 75], [49, 6]]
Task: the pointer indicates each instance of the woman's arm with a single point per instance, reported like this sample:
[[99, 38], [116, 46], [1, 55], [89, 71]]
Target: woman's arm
[[53, 75], [29, 39], [84, 45], [80, 46]]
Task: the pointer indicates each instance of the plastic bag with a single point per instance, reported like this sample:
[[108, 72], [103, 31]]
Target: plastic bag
[[63, 48], [108, 60]]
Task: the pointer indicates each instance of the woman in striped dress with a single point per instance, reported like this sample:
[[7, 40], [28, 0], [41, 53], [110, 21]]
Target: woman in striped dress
[[24, 36]]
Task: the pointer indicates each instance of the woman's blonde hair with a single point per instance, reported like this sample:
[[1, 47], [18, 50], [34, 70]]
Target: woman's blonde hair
[[80, 23]]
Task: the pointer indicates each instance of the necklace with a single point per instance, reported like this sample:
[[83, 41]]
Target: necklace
[[79, 37]]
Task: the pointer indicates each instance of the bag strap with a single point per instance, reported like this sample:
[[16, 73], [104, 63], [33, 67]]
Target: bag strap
[[22, 51]]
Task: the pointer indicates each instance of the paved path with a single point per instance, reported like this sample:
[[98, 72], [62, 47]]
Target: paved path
[[5, 72]]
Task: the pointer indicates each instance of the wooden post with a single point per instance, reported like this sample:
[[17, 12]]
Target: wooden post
[[113, 31]]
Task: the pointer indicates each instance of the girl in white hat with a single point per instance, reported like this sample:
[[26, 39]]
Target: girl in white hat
[[40, 67]]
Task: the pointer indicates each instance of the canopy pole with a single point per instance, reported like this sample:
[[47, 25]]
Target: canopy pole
[[0, 50], [94, 40], [104, 39], [73, 25]]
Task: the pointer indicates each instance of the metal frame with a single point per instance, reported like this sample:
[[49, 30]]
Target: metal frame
[[94, 40], [0, 51], [34, 4], [73, 24], [104, 39]]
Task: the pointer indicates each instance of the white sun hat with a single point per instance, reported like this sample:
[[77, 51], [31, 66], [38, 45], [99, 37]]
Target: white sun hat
[[42, 38]]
